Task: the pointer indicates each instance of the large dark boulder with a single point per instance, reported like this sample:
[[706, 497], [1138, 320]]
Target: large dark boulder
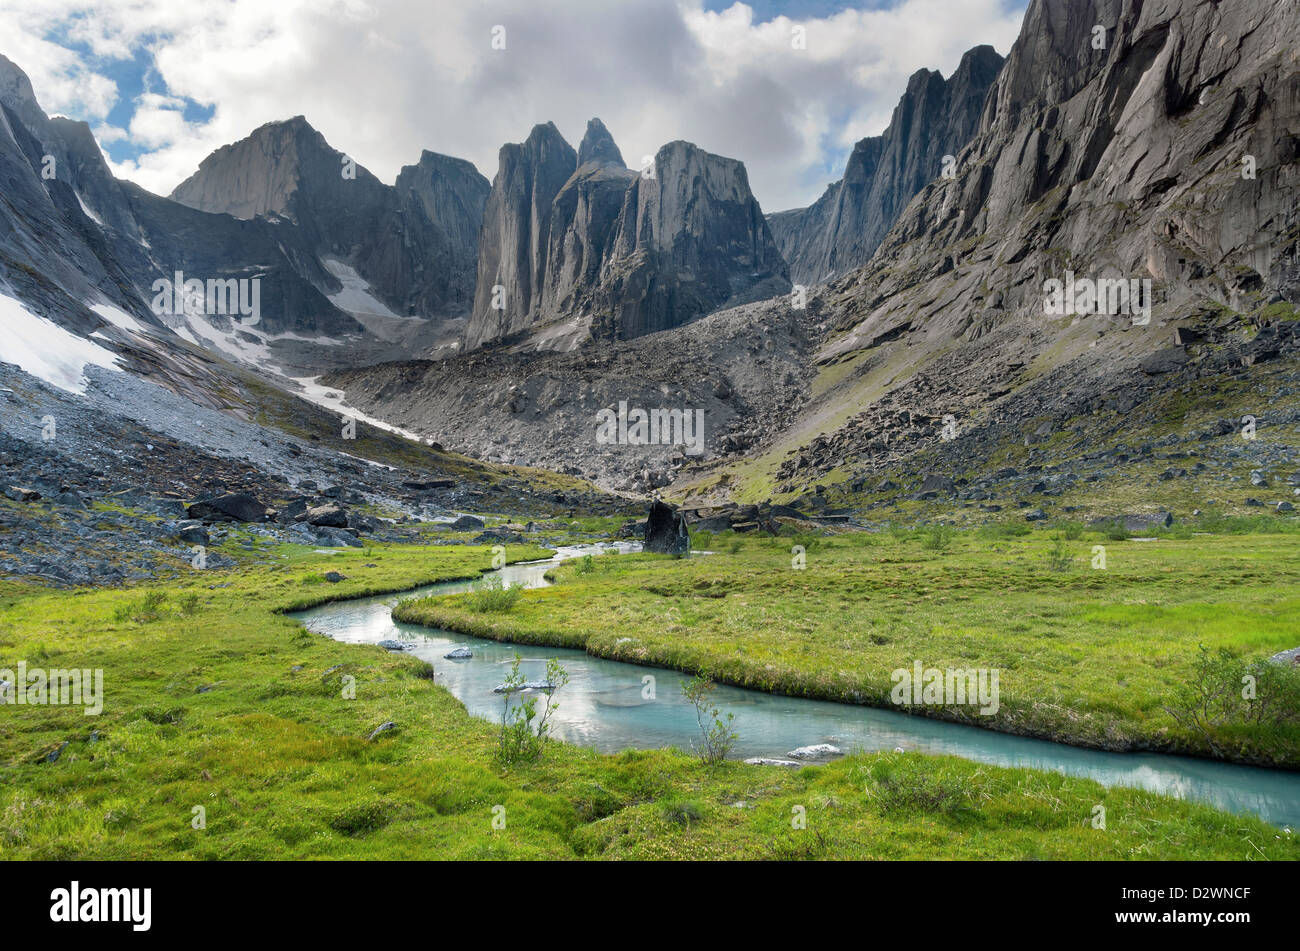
[[329, 515], [665, 530], [232, 507]]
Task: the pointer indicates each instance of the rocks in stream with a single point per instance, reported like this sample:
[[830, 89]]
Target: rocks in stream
[[392, 645], [817, 751], [459, 653], [665, 530], [526, 685]]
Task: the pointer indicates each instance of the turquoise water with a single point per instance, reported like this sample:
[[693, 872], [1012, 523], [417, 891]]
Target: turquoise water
[[612, 706]]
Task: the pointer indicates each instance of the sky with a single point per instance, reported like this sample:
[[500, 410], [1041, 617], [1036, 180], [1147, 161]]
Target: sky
[[165, 82]]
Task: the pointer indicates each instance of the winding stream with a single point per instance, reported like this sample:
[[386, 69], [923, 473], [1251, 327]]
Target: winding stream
[[605, 707]]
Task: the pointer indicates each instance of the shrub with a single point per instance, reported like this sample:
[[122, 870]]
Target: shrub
[[1115, 530], [586, 565], [148, 608], [1059, 557], [1072, 531], [492, 596], [524, 733], [716, 735], [1226, 691], [702, 540], [1001, 530], [938, 538]]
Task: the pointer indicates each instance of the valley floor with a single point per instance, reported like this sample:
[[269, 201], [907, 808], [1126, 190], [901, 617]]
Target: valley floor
[[214, 699]]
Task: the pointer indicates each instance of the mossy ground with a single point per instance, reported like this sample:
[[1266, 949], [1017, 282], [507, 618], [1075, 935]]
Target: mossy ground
[[229, 705], [1087, 655]]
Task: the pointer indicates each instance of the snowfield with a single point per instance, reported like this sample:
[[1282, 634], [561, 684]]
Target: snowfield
[[45, 350]]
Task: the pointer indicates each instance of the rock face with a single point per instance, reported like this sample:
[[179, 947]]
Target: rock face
[[414, 244], [516, 235], [934, 118], [665, 530], [232, 507], [70, 233], [1166, 155], [576, 235], [689, 240]]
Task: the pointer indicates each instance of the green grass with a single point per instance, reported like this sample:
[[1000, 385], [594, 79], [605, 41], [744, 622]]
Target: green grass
[[214, 699], [1090, 657]]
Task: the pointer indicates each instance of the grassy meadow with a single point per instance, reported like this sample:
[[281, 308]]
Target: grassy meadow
[[214, 699]]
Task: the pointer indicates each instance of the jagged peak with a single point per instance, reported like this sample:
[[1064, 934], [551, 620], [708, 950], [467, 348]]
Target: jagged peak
[[599, 146], [16, 92]]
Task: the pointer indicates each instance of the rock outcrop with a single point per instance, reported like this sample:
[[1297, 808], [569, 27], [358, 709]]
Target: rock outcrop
[[72, 236], [576, 235], [665, 530], [933, 119], [1164, 154], [516, 235], [414, 244]]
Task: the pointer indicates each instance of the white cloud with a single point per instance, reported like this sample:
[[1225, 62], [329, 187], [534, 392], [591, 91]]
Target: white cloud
[[386, 78]]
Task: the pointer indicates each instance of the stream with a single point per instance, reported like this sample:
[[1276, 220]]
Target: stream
[[611, 706]]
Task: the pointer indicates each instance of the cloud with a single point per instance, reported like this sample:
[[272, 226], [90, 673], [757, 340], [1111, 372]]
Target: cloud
[[384, 79]]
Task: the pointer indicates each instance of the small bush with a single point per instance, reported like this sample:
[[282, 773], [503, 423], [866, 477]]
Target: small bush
[[524, 734], [1002, 530], [586, 565], [1072, 531], [1115, 531], [938, 538], [492, 596], [1226, 691], [717, 736], [1059, 557], [149, 608]]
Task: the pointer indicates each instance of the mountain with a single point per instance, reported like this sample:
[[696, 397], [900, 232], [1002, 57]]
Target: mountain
[[1165, 158], [516, 237], [578, 237], [934, 118], [85, 251], [413, 244]]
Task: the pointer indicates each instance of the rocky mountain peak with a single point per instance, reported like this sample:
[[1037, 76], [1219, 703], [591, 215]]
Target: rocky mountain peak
[[598, 146], [934, 118]]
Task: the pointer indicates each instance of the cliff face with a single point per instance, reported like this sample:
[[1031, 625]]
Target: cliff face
[[585, 215], [1166, 157], [689, 240], [79, 236], [516, 235], [570, 236], [935, 117], [414, 243]]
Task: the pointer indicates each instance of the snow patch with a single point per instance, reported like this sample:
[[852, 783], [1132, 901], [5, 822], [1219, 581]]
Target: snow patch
[[85, 210], [332, 399], [116, 317], [45, 350], [355, 298]]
